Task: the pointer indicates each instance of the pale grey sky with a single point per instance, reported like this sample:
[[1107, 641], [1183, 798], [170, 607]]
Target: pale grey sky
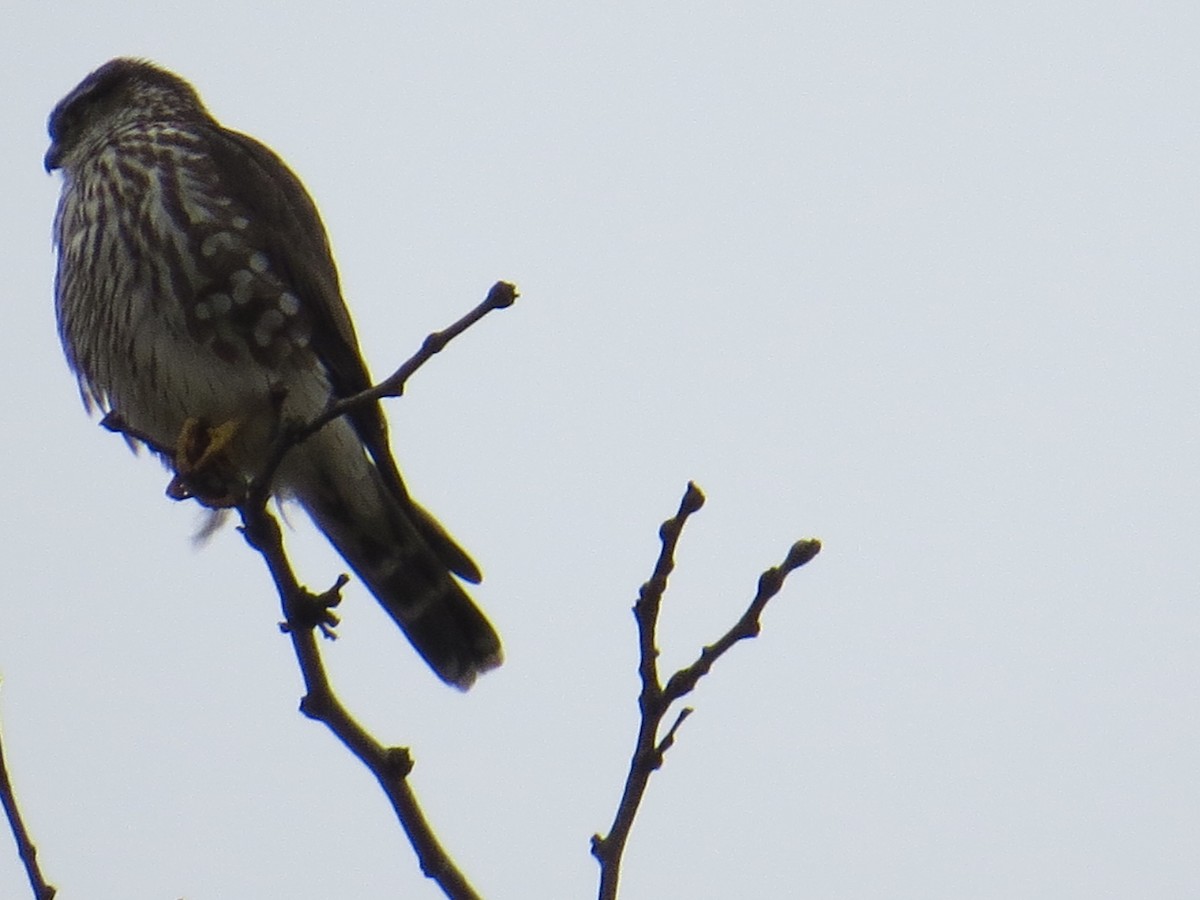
[[918, 280]]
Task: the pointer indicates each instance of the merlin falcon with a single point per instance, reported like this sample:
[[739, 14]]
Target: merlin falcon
[[196, 289]]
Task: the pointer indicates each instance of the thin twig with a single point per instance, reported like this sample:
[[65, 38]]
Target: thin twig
[[305, 612], [25, 847], [748, 626], [655, 700], [647, 753], [501, 296], [651, 595]]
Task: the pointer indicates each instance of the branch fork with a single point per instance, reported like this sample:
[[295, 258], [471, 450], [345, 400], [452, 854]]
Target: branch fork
[[655, 699]]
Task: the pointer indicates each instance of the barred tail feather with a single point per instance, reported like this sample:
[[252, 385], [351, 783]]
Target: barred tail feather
[[388, 551]]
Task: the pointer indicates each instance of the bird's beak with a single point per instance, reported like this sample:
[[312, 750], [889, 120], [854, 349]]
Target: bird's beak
[[53, 158]]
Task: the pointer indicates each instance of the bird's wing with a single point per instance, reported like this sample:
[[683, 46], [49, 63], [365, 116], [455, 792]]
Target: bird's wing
[[296, 242]]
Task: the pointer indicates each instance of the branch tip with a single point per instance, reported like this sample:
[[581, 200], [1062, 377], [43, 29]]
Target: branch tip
[[801, 552], [502, 295], [668, 740]]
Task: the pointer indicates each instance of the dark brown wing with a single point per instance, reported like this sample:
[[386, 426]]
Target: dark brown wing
[[295, 241]]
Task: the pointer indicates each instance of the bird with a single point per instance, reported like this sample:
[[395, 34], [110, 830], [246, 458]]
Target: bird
[[196, 289]]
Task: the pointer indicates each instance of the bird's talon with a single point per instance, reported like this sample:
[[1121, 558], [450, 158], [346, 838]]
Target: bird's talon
[[203, 469], [200, 447]]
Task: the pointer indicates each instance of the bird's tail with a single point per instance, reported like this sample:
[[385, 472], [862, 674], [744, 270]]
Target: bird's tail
[[400, 552]]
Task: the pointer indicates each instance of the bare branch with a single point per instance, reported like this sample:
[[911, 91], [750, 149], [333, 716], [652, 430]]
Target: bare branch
[[305, 612], [668, 740], [502, 295], [651, 594], [114, 423], [390, 765], [654, 700], [647, 753], [25, 847], [748, 626]]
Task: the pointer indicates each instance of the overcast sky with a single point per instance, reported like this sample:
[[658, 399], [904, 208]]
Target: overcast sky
[[919, 280]]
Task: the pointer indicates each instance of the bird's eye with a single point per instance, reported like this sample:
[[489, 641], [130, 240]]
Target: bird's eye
[[60, 124], [94, 96]]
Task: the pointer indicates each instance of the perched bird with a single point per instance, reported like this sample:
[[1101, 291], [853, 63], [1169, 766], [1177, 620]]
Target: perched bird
[[196, 289]]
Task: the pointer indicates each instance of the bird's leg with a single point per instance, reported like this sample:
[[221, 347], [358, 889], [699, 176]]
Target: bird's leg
[[203, 468]]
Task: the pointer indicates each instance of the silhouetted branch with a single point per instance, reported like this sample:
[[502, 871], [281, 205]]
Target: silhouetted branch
[[748, 626], [655, 700], [25, 848], [304, 612], [501, 296]]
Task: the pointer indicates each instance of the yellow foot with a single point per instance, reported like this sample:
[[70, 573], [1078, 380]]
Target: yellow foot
[[203, 469]]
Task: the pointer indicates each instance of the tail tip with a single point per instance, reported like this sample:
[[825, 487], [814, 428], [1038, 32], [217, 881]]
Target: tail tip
[[463, 673]]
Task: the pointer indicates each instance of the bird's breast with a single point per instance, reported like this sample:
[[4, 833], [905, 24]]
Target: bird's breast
[[169, 308]]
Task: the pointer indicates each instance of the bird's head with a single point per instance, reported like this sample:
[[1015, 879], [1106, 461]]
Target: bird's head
[[121, 92]]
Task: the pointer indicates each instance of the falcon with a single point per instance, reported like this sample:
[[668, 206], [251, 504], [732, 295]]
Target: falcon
[[196, 294]]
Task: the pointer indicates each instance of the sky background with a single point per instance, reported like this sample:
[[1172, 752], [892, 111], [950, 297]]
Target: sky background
[[919, 280]]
